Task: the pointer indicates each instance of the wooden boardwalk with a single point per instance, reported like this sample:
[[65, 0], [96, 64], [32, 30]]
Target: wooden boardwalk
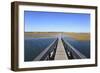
[[60, 52]]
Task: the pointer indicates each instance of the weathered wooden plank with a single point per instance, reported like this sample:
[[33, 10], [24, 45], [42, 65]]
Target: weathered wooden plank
[[60, 52]]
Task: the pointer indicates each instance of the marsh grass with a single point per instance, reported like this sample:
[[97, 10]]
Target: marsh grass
[[40, 34], [76, 36]]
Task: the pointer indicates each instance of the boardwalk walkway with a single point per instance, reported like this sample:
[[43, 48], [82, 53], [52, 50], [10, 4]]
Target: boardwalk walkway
[[60, 52]]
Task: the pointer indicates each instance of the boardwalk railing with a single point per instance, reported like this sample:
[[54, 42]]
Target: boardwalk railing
[[49, 52], [72, 52]]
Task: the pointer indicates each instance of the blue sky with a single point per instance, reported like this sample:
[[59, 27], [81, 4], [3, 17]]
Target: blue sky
[[35, 21]]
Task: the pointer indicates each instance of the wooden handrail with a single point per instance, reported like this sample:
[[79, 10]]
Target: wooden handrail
[[45, 51], [74, 51]]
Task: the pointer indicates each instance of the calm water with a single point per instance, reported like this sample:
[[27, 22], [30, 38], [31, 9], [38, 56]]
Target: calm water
[[81, 46], [34, 46]]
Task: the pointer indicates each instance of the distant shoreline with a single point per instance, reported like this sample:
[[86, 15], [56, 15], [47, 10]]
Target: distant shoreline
[[74, 35]]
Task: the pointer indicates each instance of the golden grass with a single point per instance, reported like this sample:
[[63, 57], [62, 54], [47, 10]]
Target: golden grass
[[40, 34], [78, 36]]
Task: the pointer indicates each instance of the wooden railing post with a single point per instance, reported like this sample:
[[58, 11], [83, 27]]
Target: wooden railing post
[[72, 52], [47, 54]]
